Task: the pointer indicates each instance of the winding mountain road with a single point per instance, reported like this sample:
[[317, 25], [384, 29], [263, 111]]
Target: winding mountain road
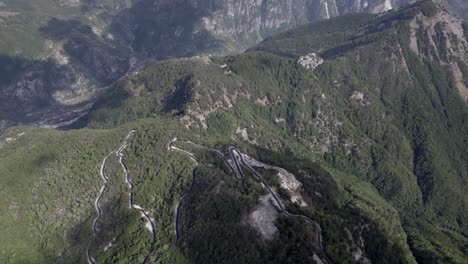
[[91, 259], [236, 157], [242, 159], [239, 159], [171, 146], [219, 153], [236, 163], [151, 222], [177, 219]]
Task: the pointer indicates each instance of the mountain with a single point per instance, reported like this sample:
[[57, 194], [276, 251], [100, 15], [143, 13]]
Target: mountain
[[58, 56], [341, 141]]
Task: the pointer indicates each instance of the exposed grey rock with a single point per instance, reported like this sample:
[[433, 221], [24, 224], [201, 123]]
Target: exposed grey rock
[[264, 217], [360, 98], [310, 61], [70, 2], [126, 35]]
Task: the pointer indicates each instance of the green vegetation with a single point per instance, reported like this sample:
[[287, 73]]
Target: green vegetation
[[50, 175], [376, 135], [441, 42], [464, 69], [428, 8], [317, 36], [404, 162], [48, 186], [21, 32], [465, 30]]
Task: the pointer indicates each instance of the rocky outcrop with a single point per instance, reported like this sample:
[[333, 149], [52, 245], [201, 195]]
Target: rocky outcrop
[[444, 42], [264, 217], [310, 61], [123, 35], [243, 22], [248, 22]]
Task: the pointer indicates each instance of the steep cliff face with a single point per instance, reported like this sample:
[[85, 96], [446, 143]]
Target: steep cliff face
[[62, 63], [247, 21], [458, 8], [244, 22], [441, 38]]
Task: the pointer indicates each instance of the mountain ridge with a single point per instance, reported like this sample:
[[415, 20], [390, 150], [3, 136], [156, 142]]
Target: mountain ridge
[[53, 86], [398, 36], [373, 132]]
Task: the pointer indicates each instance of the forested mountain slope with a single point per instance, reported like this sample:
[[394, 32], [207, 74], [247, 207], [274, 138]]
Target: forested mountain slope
[[348, 147], [58, 56]]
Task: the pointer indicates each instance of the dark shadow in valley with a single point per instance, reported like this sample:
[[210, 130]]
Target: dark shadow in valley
[[166, 29], [146, 31], [110, 101], [101, 60], [87, 62], [10, 68], [183, 94], [27, 86]]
